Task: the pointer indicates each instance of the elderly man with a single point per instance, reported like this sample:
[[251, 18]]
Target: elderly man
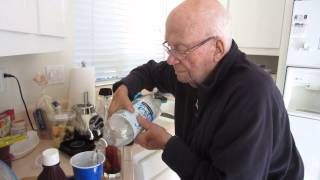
[[230, 120]]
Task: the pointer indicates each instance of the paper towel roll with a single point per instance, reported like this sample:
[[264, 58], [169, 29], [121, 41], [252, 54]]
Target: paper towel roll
[[82, 79]]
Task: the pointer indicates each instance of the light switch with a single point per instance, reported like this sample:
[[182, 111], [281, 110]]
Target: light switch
[[55, 74]]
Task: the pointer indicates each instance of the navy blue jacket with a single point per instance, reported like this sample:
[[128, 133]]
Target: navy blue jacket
[[239, 129]]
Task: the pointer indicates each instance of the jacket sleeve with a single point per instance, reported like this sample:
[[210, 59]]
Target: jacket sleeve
[[148, 76], [241, 147]]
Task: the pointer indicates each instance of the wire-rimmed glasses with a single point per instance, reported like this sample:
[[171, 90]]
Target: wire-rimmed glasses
[[181, 55]]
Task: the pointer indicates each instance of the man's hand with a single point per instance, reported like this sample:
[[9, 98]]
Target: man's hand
[[154, 136], [120, 100]]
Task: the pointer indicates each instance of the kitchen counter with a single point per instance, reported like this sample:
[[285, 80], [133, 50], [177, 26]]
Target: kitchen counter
[[27, 167]]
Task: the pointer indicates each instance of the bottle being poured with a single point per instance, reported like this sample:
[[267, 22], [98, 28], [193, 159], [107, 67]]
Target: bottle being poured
[[122, 127]]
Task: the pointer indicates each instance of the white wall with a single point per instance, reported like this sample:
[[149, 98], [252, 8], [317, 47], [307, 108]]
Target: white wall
[[25, 67]]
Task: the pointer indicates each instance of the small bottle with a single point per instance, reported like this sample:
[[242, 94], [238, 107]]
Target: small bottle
[[122, 127], [51, 166]]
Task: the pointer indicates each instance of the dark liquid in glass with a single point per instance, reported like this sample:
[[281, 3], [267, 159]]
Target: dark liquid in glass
[[113, 160]]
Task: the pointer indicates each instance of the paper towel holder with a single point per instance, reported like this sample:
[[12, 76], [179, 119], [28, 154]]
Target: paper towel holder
[[82, 79]]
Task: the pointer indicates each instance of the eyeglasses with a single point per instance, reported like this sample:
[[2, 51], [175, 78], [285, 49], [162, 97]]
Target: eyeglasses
[[181, 55]]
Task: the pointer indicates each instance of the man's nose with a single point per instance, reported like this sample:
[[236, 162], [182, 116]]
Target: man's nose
[[171, 60]]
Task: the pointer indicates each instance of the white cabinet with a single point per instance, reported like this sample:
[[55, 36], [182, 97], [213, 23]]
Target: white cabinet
[[51, 17], [18, 15], [257, 25], [31, 26]]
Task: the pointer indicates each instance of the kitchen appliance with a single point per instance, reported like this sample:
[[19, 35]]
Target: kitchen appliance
[[88, 126], [87, 122], [302, 84]]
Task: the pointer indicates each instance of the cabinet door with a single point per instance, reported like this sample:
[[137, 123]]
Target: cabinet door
[[52, 17], [18, 15], [257, 24]]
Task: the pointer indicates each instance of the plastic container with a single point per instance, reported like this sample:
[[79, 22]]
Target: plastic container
[[18, 127], [6, 172], [61, 127], [24, 147], [88, 165], [122, 127]]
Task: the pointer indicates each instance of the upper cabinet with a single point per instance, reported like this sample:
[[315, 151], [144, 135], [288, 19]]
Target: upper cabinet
[[51, 17], [31, 26], [257, 25], [18, 15]]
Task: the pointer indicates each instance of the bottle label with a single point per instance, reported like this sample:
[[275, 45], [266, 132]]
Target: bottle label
[[145, 107], [142, 109]]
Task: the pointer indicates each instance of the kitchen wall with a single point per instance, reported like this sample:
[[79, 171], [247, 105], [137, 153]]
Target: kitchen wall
[[25, 67]]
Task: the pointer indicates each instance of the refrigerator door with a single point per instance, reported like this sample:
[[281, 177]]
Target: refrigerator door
[[304, 43], [306, 133], [302, 92]]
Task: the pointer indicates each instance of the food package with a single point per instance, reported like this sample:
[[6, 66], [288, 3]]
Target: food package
[[6, 118]]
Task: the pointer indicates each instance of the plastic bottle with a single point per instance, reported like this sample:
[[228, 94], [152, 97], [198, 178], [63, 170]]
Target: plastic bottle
[[123, 127], [51, 166]]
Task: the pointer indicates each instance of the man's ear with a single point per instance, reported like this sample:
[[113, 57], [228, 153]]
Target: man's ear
[[219, 52]]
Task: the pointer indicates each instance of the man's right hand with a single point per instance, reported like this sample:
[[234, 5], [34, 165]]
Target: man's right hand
[[120, 100]]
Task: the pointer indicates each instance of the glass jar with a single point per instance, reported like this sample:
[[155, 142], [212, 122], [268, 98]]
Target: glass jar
[[112, 166], [61, 127]]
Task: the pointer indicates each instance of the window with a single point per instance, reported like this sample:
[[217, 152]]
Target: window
[[117, 35]]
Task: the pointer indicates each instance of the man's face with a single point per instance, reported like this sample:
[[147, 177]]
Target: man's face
[[189, 26], [194, 66]]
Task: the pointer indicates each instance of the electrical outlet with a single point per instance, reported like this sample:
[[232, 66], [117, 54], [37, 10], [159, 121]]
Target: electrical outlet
[[2, 81], [55, 74]]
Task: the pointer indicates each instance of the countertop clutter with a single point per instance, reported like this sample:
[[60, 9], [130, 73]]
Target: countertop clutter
[[29, 167]]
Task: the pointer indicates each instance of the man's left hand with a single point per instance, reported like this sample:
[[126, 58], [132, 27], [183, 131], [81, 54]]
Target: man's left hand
[[153, 137]]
